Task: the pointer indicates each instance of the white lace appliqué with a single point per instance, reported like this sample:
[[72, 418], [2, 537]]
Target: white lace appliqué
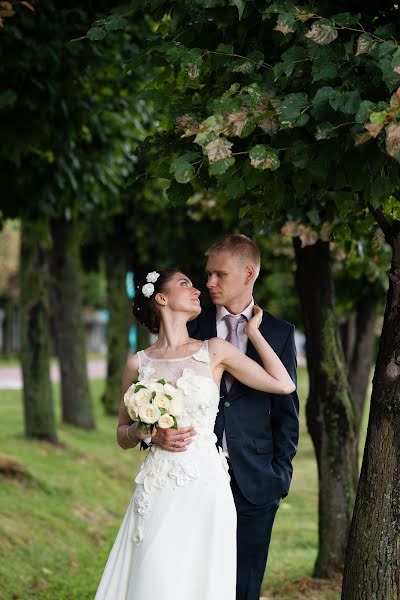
[[154, 474], [202, 355], [189, 382], [183, 472], [147, 372]]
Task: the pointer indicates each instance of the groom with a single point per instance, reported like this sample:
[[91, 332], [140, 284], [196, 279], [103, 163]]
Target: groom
[[258, 431]]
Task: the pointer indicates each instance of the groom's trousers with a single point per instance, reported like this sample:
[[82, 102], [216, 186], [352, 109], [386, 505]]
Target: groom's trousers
[[254, 527]]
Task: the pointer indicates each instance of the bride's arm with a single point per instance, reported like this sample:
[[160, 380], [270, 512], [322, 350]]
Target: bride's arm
[[128, 435], [272, 378]]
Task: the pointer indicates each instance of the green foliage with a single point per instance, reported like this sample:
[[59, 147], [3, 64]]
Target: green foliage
[[277, 99], [67, 120]]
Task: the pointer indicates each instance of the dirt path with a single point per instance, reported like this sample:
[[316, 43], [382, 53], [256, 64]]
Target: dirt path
[[11, 377]]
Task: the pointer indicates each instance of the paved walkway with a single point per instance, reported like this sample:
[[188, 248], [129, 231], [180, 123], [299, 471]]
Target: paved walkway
[[11, 377]]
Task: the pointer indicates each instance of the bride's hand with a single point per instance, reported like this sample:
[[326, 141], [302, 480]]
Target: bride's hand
[[254, 323]]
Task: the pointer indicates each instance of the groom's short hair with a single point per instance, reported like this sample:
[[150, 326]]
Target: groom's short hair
[[238, 245]]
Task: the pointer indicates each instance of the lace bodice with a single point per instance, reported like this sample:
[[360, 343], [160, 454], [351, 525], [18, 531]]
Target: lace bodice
[[161, 468], [193, 376]]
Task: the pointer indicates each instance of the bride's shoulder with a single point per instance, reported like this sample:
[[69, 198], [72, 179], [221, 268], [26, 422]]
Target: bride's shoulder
[[132, 363], [216, 344]]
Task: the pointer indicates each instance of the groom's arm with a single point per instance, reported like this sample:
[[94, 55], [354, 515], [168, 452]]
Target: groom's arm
[[285, 419]]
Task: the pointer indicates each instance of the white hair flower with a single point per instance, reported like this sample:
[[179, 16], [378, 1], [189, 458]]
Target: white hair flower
[[152, 276], [148, 290]]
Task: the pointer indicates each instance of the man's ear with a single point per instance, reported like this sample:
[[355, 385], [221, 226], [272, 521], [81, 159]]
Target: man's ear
[[250, 274], [160, 299]]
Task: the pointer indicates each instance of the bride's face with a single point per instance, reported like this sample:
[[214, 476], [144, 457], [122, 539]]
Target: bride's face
[[182, 296]]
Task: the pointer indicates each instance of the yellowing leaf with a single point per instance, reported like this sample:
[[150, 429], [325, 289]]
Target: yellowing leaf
[[219, 149], [246, 68], [322, 34], [365, 44], [308, 236], [237, 122], [374, 129], [393, 139], [303, 15], [283, 27], [361, 138]]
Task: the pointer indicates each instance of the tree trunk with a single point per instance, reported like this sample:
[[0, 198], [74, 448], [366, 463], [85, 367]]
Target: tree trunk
[[330, 414], [8, 346], [77, 408], [35, 359], [116, 261], [372, 567], [361, 359]]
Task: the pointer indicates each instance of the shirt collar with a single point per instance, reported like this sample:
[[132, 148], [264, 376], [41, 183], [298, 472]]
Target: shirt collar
[[247, 312]]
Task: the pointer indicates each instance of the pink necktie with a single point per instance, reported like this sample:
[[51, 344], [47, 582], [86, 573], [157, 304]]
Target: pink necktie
[[232, 323]]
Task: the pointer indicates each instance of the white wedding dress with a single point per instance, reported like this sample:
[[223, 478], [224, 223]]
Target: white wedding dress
[[178, 538]]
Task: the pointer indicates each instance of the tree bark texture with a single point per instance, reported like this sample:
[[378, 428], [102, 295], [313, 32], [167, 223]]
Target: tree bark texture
[[119, 307], [361, 359], [329, 410], [35, 317], [77, 408], [372, 570], [8, 328]]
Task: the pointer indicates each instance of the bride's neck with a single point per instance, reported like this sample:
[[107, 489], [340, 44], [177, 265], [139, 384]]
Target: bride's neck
[[173, 334]]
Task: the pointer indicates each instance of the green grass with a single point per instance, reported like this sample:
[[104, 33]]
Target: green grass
[[56, 530]]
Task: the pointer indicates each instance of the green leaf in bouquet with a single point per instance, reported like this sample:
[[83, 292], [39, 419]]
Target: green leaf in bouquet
[[140, 387], [162, 381]]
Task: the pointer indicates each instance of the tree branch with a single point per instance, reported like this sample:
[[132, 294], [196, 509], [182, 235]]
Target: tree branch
[[382, 222]]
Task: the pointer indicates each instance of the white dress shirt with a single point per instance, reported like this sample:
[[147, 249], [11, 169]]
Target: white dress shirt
[[222, 332]]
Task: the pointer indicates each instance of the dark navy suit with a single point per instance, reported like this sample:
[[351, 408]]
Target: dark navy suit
[[262, 435]]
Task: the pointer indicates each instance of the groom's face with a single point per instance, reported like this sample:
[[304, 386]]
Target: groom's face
[[227, 278]]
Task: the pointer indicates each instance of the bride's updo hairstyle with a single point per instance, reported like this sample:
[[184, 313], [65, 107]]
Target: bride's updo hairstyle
[[145, 309]]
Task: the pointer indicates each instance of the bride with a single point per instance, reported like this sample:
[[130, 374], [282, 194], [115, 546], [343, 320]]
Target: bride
[[178, 537]]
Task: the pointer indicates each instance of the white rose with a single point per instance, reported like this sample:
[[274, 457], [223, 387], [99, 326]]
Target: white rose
[[149, 414], [156, 387], [142, 397], [161, 401], [148, 290], [177, 404], [169, 389], [129, 394], [153, 276], [133, 410], [165, 421]]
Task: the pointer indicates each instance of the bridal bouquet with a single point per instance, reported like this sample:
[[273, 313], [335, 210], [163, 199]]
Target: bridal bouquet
[[157, 404]]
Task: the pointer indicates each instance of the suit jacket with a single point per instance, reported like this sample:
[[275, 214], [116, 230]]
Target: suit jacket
[[262, 429]]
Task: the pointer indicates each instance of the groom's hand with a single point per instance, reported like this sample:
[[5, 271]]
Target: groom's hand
[[173, 440]]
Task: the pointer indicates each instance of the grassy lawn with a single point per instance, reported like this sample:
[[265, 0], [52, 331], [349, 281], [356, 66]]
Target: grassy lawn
[[58, 523]]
